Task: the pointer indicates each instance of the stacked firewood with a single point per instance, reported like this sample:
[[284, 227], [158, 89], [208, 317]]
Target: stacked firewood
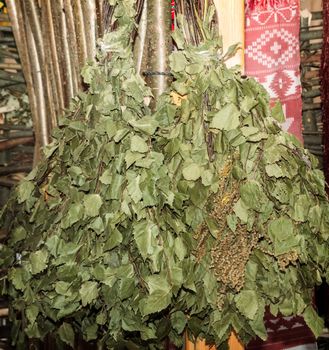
[[55, 39], [311, 47], [16, 136]]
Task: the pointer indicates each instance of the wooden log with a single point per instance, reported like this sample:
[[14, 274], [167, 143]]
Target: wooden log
[[7, 40], [310, 124], [312, 74], [4, 312], [316, 152], [5, 182], [312, 140], [13, 77], [317, 15], [4, 17], [312, 83], [311, 58], [10, 66], [311, 106], [16, 134], [8, 144], [311, 93], [14, 127], [4, 52], [15, 169], [307, 47], [6, 29], [315, 47], [311, 35], [314, 133]]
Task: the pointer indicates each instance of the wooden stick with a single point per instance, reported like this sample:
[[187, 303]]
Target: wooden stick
[[100, 17], [74, 57], [90, 25], [66, 65], [140, 48], [36, 62], [56, 72], [56, 15], [48, 71], [80, 32], [17, 20], [33, 13]]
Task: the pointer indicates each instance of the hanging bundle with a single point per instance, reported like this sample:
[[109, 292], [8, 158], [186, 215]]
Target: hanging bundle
[[140, 224]]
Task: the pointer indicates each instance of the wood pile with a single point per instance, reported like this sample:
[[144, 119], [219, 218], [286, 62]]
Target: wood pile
[[16, 136], [55, 39], [311, 48]]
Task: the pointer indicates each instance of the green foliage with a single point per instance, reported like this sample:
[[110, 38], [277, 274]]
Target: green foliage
[[115, 234]]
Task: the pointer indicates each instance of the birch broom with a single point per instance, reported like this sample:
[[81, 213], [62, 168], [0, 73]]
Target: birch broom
[[143, 223]]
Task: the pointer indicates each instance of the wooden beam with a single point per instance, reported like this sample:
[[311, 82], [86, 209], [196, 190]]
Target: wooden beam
[[231, 21]]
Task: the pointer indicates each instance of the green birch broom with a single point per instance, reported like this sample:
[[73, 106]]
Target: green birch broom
[[143, 223]]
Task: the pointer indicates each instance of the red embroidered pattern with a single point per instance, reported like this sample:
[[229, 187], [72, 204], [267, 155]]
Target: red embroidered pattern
[[272, 55]]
